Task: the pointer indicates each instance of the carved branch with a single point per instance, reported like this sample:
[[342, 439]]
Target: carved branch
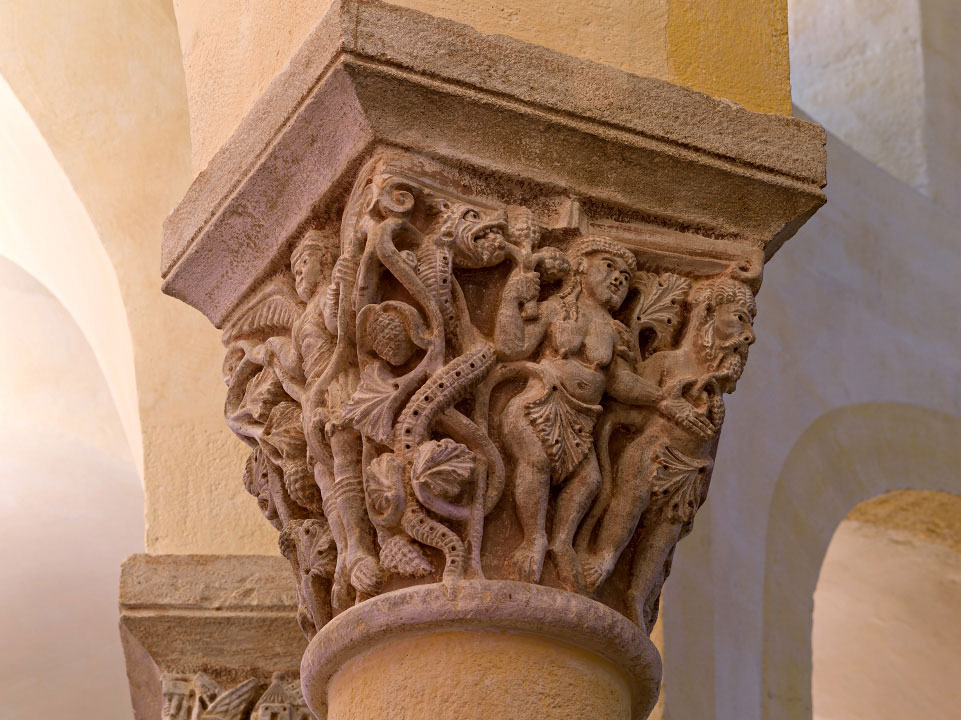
[[450, 389]]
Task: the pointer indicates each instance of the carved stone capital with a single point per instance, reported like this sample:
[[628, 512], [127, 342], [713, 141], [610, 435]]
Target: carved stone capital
[[482, 303], [203, 628]]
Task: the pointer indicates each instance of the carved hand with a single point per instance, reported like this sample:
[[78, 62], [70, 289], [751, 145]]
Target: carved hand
[[681, 412], [523, 286]]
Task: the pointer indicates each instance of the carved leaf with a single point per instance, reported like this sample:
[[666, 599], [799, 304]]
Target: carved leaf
[[285, 429], [678, 484], [659, 305], [564, 427], [207, 689], [263, 393], [385, 490], [443, 467], [370, 409], [270, 312], [235, 703]]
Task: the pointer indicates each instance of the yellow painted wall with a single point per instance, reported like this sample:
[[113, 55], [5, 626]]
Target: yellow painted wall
[[736, 50], [103, 83]]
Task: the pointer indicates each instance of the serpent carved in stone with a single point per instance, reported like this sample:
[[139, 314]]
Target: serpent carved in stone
[[454, 385]]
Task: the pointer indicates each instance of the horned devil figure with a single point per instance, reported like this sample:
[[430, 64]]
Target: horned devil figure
[[662, 474], [580, 353]]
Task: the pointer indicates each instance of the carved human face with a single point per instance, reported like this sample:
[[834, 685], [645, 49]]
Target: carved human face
[[308, 272], [607, 278], [733, 335], [232, 360], [178, 696]]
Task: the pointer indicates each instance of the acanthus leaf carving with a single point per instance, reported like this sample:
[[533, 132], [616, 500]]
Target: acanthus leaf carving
[[466, 392]]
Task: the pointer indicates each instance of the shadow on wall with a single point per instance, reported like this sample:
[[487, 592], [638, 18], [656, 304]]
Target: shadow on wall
[[847, 456]]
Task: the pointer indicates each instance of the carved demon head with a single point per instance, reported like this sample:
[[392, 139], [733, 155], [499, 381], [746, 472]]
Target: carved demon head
[[477, 236], [722, 318]]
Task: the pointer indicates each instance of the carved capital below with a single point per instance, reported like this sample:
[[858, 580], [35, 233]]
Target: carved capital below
[[203, 628], [481, 306]]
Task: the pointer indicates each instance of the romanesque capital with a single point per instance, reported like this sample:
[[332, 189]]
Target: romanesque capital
[[482, 304]]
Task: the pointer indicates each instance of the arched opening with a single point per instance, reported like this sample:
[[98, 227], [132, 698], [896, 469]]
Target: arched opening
[[45, 229], [847, 456], [70, 501], [887, 611]]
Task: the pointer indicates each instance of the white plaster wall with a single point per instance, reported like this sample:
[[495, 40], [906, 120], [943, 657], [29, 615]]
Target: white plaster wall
[[861, 306], [883, 75], [857, 67], [45, 228], [887, 627], [941, 21], [70, 511]]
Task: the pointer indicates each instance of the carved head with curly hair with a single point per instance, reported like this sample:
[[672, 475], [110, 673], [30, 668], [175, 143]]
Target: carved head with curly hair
[[600, 267], [722, 320]]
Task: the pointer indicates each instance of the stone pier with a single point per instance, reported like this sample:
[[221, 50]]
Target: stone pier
[[481, 304]]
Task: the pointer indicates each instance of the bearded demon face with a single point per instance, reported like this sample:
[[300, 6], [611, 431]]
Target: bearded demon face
[[729, 335]]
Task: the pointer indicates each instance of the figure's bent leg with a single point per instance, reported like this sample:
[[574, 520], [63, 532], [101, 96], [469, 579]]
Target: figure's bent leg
[[317, 597], [340, 594], [573, 503], [532, 477], [631, 495], [655, 545]]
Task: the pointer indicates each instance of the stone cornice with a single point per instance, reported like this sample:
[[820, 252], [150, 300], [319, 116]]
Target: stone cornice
[[229, 616], [372, 74]]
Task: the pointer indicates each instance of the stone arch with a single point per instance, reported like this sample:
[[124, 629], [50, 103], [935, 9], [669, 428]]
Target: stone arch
[[70, 511], [46, 230], [848, 455]]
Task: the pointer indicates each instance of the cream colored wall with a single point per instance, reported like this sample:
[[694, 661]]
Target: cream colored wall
[[45, 229], [846, 457], [858, 308], [886, 634], [233, 48], [70, 511], [103, 82]]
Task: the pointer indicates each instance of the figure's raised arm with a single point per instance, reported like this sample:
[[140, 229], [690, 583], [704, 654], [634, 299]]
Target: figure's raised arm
[[515, 337]]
